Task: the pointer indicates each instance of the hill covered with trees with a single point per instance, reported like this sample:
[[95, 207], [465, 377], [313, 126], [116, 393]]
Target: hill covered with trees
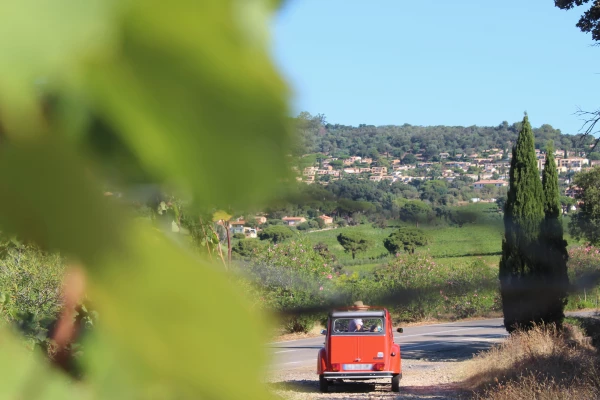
[[316, 135]]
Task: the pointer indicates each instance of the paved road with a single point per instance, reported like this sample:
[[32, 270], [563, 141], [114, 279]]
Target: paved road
[[453, 341], [448, 341]]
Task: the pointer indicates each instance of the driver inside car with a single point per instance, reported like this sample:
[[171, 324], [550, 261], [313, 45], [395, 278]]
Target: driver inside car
[[356, 325]]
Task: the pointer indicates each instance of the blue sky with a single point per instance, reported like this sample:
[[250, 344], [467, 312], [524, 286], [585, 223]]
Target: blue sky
[[437, 62]]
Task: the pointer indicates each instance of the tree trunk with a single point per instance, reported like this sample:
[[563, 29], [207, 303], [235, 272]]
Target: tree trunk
[[228, 244]]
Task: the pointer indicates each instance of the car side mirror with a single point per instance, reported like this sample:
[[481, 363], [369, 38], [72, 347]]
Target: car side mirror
[[323, 331], [400, 330]]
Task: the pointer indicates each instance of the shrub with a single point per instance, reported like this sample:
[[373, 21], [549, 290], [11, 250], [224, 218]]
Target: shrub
[[246, 248], [276, 234], [239, 236], [303, 226], [30, 288], [584, 275], [292, 275]]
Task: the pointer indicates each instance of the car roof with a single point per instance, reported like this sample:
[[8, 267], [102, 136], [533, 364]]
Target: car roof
[[354, 314]]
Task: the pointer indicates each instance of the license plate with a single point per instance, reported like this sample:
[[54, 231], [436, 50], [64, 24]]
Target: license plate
[[357, 367]]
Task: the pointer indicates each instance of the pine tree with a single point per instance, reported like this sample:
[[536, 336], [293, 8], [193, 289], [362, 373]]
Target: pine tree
[[523, 215], [553, 247]]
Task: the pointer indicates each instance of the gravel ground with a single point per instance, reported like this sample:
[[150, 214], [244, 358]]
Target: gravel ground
[[420, 380]]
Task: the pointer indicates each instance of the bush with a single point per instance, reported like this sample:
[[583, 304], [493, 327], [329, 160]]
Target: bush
[[303, 226], [246, 248], [239, 236], [276, 234], [292, 275], [423, 289], [30, 289], [584, 275]]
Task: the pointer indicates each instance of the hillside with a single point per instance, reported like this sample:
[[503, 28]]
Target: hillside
[[315, 134]]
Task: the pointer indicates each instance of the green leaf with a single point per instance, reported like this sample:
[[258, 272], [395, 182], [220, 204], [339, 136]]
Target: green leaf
[[184, 325], [47, 40], [52, 200], [183, 71], [25, 375]]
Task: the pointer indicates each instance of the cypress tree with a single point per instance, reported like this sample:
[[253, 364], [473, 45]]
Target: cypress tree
[[523, 215], [553, 247]]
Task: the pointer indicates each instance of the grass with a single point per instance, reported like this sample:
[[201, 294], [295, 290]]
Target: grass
[[448, 245], [539, 364], [376, 235]]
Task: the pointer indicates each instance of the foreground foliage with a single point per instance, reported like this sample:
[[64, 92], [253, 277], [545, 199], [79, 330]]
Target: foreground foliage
[[122, 93]]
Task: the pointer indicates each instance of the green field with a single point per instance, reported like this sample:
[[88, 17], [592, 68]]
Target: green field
[[449, 245]]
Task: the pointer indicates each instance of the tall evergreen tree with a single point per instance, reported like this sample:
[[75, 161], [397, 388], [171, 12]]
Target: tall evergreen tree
[[523, 215], [553, 247]]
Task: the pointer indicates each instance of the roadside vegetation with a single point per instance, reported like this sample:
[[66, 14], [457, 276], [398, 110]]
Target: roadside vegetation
[[541, 363]]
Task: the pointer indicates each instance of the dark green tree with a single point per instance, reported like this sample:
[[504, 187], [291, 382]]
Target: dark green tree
[[415, 211], [589, 21], [523, 214], [553, 253], [586, 221], [405, 238], [353, 243]]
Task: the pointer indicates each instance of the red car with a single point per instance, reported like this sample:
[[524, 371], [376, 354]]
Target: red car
[[359, 345]]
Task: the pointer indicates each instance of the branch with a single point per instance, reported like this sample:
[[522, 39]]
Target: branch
[[591, 120]]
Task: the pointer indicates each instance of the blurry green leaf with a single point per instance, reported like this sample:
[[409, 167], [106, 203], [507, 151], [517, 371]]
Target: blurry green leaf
[[49, 198], [26, 376], [197, 98], [46, 41], [221, 216], [183, 325]]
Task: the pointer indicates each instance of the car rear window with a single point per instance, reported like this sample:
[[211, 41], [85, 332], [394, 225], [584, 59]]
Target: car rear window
[[365, 326]]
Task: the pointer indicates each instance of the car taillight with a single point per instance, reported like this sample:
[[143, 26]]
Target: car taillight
[[379, 367], [335, 367]]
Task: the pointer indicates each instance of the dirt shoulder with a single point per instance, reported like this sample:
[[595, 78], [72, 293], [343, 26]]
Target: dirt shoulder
[[420, 380]]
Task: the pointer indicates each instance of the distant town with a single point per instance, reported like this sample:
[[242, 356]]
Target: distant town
[[489, 167]]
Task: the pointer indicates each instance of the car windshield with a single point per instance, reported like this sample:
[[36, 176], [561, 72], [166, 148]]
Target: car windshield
[[357, 325]]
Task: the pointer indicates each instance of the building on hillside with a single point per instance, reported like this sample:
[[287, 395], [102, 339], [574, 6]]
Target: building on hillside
[[309, 171], [482, 183], [309, 179], [444, 155], [291, 221], [367, 160], [376, 178], [260, 219], [593, 163], [237, 226], [351, 170], [379, 170], [250, 232], [326, 219]]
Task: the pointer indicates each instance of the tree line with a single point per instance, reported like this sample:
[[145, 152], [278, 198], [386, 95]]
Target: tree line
[[316, 135]]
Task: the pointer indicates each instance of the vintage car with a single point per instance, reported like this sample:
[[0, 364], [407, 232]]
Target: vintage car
[[359, 345]]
